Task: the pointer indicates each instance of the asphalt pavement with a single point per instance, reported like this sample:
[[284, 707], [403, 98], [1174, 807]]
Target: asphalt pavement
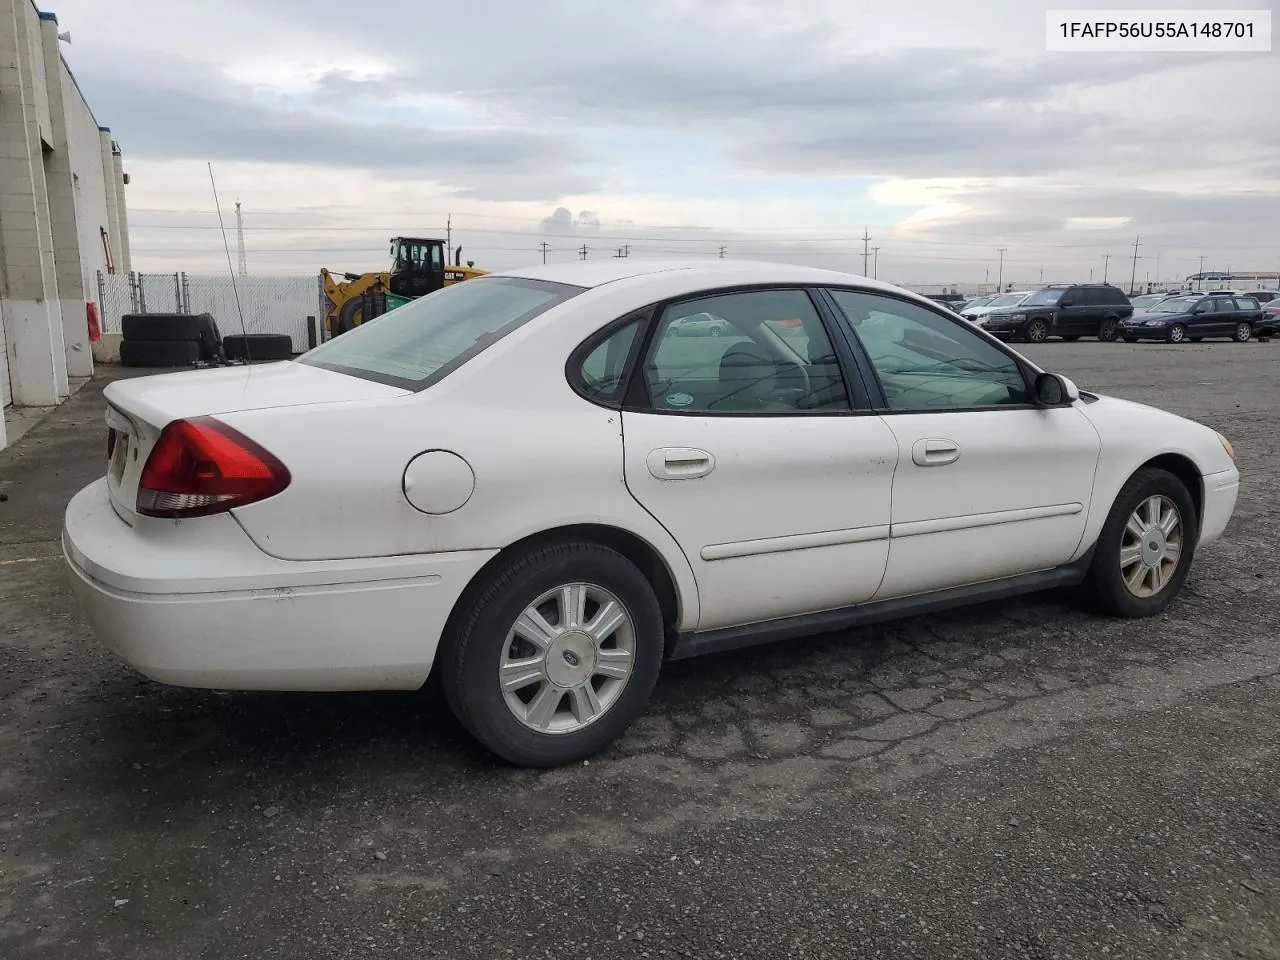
[[1018, 779]]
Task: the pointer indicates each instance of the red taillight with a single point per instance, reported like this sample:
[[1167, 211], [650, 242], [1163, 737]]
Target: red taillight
[[202, 466]]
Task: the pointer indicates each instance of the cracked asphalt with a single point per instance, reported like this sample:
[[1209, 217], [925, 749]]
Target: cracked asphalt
[[1018, 779]]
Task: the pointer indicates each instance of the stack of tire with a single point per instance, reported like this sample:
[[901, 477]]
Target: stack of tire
[[168, 339], [183, 339], [258, 346]]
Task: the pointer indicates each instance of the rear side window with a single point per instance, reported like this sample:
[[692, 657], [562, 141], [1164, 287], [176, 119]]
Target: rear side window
[[1112, 297], [422, 342], [1246, 303]]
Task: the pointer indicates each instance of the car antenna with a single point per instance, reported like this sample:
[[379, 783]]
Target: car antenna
[[226, 245]]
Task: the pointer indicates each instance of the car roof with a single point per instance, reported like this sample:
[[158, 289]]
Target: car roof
[[595, 273]]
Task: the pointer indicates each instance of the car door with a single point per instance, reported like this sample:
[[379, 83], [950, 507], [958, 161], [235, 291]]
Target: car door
[[1248, 310], [751, 450], [1082, 316], [989, 484]]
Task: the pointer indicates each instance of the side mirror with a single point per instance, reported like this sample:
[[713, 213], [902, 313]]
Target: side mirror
[[1053, 390]]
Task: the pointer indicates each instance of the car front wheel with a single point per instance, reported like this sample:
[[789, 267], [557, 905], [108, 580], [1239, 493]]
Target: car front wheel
[[1037, 331], [555, 654], [1144, 552], [1177, 333]]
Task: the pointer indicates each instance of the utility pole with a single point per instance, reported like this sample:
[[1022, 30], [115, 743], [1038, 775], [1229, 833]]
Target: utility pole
[[448, 236], [1200, 273], [1157, 268], [722, 253], [626, 249], [1000, 275], [1042, 276], [243, 264], [875, 262], [866, 251], [1106, 263], [1134, 275], [545, 247], [582, 252]]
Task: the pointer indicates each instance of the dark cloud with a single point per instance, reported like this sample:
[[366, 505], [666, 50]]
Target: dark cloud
[[562, 221]]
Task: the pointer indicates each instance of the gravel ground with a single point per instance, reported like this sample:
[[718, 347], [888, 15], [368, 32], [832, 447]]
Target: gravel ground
[[1013, 780]]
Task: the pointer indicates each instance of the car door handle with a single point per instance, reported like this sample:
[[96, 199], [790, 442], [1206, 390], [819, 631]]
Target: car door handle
[[680, 463], [935, 453]]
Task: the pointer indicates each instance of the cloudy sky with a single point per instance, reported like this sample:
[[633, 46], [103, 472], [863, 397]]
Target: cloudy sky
[[774, 130]]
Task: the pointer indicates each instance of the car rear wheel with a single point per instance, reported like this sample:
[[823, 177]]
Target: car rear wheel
[[1177, 333], [1145, 550], [1243, 332], [1037, 331], [555, 654]]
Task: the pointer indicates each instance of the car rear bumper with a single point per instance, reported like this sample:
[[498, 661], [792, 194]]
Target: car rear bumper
[[1220, 492], [199, 605]]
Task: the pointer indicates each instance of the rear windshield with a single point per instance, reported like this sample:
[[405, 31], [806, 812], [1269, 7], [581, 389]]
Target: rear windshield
[[423, 341]]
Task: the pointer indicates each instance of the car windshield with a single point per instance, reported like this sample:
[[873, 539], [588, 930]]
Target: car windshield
[[1008, 300], [1174, 305], [1044, 297], [1146, 301], [421, 342]]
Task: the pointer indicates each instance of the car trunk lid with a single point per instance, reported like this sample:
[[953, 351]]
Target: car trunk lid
[[138, 409]]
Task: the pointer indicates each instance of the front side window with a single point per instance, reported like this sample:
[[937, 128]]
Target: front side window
[[926, 362], [1043, 298], [417, 344], [761, 351]]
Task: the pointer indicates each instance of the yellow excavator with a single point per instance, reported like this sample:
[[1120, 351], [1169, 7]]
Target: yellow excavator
[[419, 265]]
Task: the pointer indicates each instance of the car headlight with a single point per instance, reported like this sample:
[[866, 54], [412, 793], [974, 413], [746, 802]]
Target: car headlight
[[1017, 316], [1226, 445]]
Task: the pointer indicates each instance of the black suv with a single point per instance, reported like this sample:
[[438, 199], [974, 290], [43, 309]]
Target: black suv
[[1069, 312]]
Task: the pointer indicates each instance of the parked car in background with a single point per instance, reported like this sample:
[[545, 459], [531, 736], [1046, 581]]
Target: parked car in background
[[700, 325], [1195, 318], [1264, 296], [979, 314], [1070, 312], [973, 302], [1269, 325], [531, 483], [1144, 301]]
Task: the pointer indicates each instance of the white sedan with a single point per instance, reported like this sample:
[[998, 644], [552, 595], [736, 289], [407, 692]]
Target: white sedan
[[530, 482]]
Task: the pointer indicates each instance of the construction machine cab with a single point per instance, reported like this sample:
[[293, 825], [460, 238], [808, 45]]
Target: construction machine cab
[[417, 266]]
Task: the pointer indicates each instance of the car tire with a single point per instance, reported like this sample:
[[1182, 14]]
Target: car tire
[[258, 346], [1244, 332], [1037, 331], [482, 637], [156, 327], [158, 353], [1105, 587], [1107, 332], [1177, 333]]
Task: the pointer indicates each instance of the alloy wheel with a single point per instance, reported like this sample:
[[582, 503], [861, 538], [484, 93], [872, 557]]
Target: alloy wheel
[[567, 658], [1151, 546]]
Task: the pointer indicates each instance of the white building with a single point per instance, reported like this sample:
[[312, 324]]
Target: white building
[[62, 212]]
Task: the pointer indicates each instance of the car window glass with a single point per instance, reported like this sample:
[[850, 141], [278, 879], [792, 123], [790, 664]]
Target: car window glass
[[414, 345], [1246, 303], [927, 362], [602, 370], [763, 351]]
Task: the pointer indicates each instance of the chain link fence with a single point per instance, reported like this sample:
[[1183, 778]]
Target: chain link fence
[[268, 304]]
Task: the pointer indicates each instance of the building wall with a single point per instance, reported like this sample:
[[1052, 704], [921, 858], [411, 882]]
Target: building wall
[[61, 186]]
